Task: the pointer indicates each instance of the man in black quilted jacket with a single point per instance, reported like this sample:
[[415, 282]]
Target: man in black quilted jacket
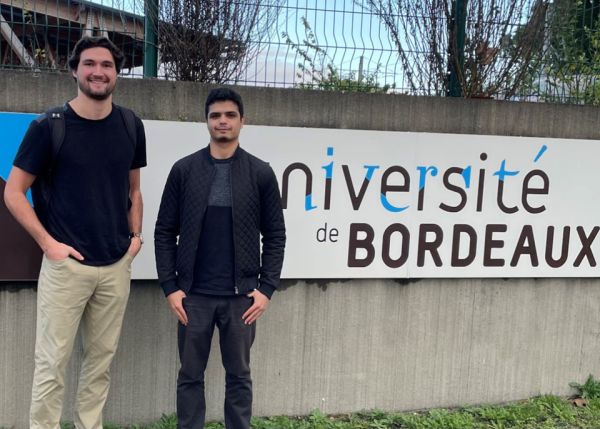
[[216, 206]]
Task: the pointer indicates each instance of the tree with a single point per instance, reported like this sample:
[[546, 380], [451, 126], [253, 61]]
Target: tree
[[571, 71], [212, 40], [316, 70], [496, 62]]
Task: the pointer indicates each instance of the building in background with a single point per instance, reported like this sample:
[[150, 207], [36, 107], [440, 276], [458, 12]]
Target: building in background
[[41, 34]]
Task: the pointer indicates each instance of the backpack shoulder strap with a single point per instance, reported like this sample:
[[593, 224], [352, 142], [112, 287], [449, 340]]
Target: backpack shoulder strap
[[130, 125], [41, 187], [56, 122]]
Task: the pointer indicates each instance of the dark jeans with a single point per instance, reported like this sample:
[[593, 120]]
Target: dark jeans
[[204, 313]]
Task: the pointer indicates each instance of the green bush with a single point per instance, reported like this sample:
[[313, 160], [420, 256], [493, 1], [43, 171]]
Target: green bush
[[588, 390]]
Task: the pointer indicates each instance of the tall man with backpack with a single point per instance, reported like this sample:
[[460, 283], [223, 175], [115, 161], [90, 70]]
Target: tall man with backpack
[[82, 162]]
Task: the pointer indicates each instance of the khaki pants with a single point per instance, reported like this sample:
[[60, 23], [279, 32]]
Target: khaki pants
[[70, 293]]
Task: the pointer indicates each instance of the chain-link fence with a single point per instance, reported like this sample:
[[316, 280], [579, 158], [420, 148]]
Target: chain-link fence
[[537, 50]]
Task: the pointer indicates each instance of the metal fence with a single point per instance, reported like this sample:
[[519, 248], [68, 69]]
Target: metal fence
[[544, 50], [40, 34]]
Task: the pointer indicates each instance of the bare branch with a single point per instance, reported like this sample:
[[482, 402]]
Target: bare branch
[[503, 38], [212, 40]]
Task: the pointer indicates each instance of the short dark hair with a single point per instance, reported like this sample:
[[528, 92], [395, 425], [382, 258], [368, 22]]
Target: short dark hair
[[223, 94], [88, 42]]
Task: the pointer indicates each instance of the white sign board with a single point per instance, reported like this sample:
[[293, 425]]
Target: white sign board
[[375, 204]]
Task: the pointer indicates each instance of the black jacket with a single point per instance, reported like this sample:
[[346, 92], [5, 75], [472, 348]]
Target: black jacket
[[256, 207]]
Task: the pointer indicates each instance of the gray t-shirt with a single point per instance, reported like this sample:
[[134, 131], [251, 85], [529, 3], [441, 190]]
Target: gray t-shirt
[[214, 268]]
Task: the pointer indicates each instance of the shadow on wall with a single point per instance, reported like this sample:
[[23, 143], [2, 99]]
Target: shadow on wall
[[20, 256]]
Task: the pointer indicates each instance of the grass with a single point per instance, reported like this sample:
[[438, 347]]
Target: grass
[[588, 390], [544, 412]]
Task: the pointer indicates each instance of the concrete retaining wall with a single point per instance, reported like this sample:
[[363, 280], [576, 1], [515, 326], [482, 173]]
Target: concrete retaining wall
[[339, 345]]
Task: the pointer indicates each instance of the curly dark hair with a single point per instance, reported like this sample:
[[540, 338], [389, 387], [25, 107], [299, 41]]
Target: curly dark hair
[[88, 42]]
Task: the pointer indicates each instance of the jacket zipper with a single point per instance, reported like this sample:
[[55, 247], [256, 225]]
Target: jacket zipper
[[235, 286]]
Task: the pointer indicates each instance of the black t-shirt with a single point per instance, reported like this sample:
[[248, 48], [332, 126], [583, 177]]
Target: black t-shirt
[[89, 199]]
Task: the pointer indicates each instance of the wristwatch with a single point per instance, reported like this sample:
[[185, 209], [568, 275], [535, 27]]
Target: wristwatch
[[138, 235]]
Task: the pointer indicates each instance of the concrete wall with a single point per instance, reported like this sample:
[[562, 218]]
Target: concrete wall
[[339, 345]]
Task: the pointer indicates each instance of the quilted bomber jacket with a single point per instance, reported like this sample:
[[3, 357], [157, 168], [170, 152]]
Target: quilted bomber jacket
[[256, 206]]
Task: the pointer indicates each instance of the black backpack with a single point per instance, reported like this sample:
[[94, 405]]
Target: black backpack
[[41, 189]]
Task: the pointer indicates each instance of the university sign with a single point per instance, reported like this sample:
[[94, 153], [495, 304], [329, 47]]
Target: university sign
[[374, 204]]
